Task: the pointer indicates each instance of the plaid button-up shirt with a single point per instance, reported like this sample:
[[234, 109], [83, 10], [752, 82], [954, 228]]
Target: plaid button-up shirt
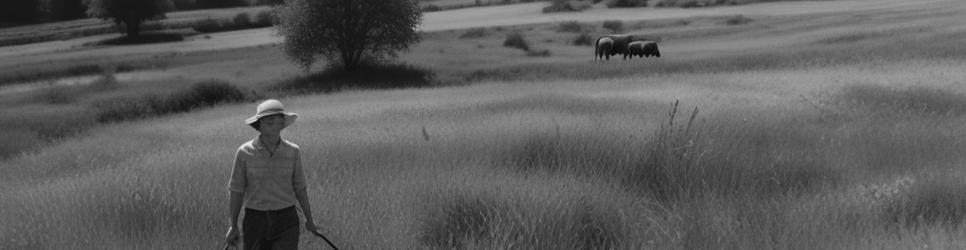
[[268, 181]]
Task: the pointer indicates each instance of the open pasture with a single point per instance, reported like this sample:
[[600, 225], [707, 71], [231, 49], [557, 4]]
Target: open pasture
[[835, 130]]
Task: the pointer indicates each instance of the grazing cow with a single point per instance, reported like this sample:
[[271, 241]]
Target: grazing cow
[[619, 44], [642, 49], [603, 47]]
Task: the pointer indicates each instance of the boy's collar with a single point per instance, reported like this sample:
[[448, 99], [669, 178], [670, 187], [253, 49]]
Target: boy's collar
[[261, 145]]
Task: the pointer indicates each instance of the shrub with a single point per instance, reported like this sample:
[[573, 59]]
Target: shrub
[[583, 39], [690, 4], [431, 8], [570, 26], [699, 3], [737, 20], [516, 40], [566, 6], [264, 19], [539, 53], [143, 38], [207, 25], [613, 25], [367, 76], [107, 80], [474, 33], [202, 94], [627, 3], [242, 20], [127, 108]]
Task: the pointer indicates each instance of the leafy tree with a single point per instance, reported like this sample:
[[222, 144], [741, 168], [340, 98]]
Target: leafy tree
[[131, 13], [347, 31], [185, 4], [20, 11], [66, 9]]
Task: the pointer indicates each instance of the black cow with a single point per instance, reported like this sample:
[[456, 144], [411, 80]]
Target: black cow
[[642, 49]]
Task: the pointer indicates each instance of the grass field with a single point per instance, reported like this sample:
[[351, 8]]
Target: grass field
[[819, 131]]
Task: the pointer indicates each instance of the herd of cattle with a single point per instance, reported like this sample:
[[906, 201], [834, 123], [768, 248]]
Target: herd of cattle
[[626, 45]]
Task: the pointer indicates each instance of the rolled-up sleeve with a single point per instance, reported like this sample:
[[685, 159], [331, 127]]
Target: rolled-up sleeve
[[237, 182], [298, 177]]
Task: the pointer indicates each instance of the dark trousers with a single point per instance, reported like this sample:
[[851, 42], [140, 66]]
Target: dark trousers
[[271, 230]]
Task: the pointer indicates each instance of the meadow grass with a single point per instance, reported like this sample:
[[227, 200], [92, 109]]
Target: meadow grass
[[842, 145], [514, 166]]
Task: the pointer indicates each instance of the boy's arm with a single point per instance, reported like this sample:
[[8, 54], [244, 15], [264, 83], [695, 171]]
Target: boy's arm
[[298, 182], [236, 186]]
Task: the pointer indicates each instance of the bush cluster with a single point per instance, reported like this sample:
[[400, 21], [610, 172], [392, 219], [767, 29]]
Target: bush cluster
[[370, 75], [516, 40], [474, 33], [702, 3], [202, 94], [539, 53], [431, 8], [566, 6], [627, 3], [570, 26], [584, 39], [614, 25], [239, 22], [738, 20]]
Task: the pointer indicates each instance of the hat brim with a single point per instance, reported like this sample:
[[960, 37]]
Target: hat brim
[[289, 117]]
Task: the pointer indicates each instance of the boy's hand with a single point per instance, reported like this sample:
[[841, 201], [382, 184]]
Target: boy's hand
[[309, 225], [232, 236]]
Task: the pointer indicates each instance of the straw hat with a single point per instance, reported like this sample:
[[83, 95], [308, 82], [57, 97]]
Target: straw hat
[[271, 107]]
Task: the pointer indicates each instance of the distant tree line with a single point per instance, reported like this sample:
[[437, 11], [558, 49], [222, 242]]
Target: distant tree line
[[31, 11]]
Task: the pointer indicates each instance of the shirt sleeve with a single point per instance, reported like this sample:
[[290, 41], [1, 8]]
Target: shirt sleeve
[[238, 181], [298, 177]]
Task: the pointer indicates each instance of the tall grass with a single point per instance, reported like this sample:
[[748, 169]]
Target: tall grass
[[500, 166], [838, 146]]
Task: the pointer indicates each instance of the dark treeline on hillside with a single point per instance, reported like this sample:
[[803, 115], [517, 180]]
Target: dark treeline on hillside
[[580, 5], [31, 11]]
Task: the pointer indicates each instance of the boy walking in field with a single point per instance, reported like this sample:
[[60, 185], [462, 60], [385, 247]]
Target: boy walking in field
[[267, 180]]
